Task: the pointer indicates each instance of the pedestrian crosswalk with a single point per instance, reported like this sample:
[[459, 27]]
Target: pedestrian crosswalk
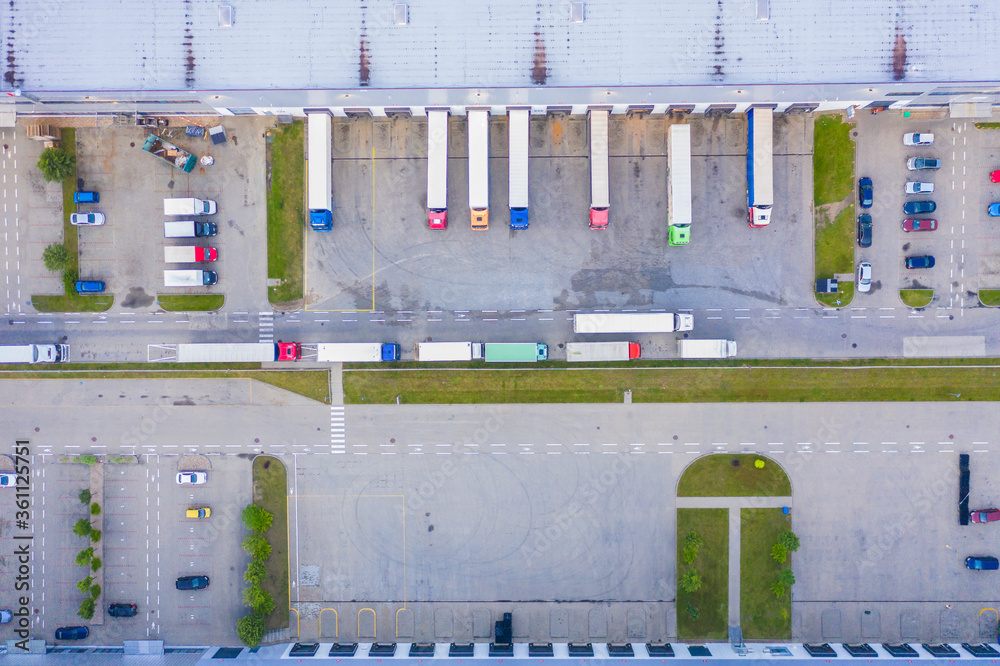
[[265, 325], [337, 435]]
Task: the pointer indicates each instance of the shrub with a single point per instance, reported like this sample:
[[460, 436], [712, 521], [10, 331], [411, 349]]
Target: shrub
[[689, 554], [84, 496], [779, 553], [257, 546], [86, 608], [82, 527], [778, 589], [759, 464], [786, 577], [693, 540], [56, 164], [84, 556], [253, 595], [255, 518], [95, 590], [95, 536], [690, 581], [692, 611], [86, 458], [56, 257], [264, 605], [789, 540], [95, 564], [250, 629], [84, 585], [95, 509], [119, 460], [256, 572]]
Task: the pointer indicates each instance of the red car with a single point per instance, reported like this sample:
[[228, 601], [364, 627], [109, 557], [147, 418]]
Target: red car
[[995, 177], [912, 224], [985, 515]]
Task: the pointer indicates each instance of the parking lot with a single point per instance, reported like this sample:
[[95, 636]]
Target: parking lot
[[381, 255], [148, 542], [966, 243], [127, 252]]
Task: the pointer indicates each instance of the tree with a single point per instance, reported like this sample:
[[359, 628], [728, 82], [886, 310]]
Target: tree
[[56, 164], [257, 546], [253, 595], [84, 496], [95, 590], [88, 459], [86, 608], [255, 518], [778, 589], [95, 535], [689, 554], [84, 585], [250, 629], [693, 540], [56, 259], [95, 509], [786, 577], [82, 527], [95, 564], [84, 556], [690, 581], [779, 553], [789, 540], [256, 572], [692, 611], [264, 605]]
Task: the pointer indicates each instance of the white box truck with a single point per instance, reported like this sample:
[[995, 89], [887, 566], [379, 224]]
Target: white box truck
[[517, 192], [238, 352], [449, 351], [437, 169], [320, 170], [34, 354], [632, 322], [579, 352], [188, 254], [188, 229], [679, 185], [188, 206], [706, 348], [760, 166], [600, 198], [479, 168], [356, 352], [189, 278]]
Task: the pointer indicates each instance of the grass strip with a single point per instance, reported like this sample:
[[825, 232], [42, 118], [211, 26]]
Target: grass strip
[[835, 254], [916, 298], [756, 382], [190, 302], [285, 212], [833, 159], [762, 614], [989, 297], [270, 492], [716, 476], [711, 601]]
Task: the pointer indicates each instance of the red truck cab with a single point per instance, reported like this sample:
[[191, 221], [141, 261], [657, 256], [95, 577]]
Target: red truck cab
[[288, 351], [634, 350], [598, 218], [437, 219]]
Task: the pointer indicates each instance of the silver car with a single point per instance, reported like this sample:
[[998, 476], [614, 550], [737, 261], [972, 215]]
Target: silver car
[[864, 276], [919, 188], [86, 219], [192, 478]]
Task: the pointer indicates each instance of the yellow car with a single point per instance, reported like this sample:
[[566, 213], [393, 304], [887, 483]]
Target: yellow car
[[199, 512]]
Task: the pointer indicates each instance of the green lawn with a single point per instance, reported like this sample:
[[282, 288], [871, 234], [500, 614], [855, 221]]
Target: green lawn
[[270, 492], [989, 297], [715, 476], [73, 302], [833, 160], [286, 212], [758, 382], [843, 297], [190, 302], [987, 126], [916, 298], [762, 615], [712, 566], [835, 253]]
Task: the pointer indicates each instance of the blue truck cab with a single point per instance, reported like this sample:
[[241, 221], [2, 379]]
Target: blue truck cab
[[321, 220], [390, 351], [518, 218]]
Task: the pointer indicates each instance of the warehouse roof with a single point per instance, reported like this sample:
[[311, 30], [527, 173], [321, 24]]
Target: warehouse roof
[[315, 44]]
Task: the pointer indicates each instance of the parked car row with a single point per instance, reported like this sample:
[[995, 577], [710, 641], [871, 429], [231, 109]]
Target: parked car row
[[993, 210], [88, 219]]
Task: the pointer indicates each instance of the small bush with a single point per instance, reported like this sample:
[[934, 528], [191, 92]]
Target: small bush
[[253, 595], [256, 572], [779, 553], [251, 629], [692, 611], [86, 458], [789, 540], [84, 496], [95, 536], [255, 518], [120, 460], [95, 564], [689, 554], [759, 464], [56, 257], [84, 556], [786, 577], [690, 581], [84, 585], [95, 590], [82, 527], [257, 546], [778, 589], [95, 509], [86, 608]]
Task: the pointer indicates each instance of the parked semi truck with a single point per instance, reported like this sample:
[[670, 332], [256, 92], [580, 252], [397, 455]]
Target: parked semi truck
[[706, 348], [188, 254], [679, 184], [516, 352], [189, 229], [760, 166], [517, 193], [449, 351], [189, 206], [189, 278], [577, 352], [34, 354], [479, 168], [632, 322], [356, 352], [239, 352], [600, 199], [169, 153], [437, 169], [320, 170]]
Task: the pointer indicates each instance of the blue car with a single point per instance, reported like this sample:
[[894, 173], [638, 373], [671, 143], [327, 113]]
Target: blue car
[[993, 210], [866, 193], [918, 207], [72, 633], [982, 563], [89, 287], [924, 261], [86, 197]]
